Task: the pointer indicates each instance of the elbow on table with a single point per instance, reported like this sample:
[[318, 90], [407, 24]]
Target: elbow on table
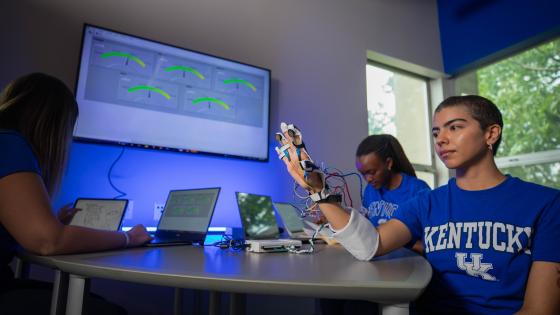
[[45, 246], [364, 256]]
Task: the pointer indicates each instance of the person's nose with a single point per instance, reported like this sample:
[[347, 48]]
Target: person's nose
[[368, 178], [442, 138]]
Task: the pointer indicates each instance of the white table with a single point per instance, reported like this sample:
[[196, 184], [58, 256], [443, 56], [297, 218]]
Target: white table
[[392, 280]]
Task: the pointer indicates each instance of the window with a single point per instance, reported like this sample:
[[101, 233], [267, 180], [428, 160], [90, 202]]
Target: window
[[398, 104], [526, 88]]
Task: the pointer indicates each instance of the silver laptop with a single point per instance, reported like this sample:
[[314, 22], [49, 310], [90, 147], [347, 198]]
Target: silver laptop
[[186, 217], [257, 216], [260, 226], [292, 221], [103, 214]]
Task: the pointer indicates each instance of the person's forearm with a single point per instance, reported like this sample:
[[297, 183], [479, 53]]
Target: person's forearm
[[74, 239], [337, 216], [358, 236]]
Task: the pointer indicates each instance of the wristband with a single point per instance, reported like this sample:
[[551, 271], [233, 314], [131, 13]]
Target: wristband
[[324, 196], [126, 238], [331, 199]]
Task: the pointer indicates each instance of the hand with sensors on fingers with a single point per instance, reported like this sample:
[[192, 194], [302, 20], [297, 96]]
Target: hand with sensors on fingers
[[300, 165]]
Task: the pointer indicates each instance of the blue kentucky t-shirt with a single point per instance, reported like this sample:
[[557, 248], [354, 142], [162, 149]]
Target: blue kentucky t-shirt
[[17, 156], [481, 244], [380, 204]]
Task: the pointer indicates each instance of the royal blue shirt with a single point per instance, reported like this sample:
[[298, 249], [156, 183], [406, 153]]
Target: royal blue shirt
[[16, 156], [380, 204], [481, 244]]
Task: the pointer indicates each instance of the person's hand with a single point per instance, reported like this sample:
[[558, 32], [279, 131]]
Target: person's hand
[[66, 213], [320, 219], [292, 152], [138, 236]]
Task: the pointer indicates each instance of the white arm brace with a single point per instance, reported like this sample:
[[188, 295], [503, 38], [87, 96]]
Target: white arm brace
[[359, 236]]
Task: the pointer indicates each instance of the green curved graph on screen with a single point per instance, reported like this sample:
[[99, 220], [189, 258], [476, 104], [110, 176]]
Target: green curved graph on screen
[[149, 88], [126, 55], [245, 82], [186, 69], [211, 99]]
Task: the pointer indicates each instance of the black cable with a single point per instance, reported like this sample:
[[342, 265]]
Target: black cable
[[229, 242], [121, 193]]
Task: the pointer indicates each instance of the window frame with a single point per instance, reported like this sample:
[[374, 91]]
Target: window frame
[[432, 168], [540, 157]]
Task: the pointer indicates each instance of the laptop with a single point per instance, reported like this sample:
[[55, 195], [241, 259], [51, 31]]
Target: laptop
[[103, 214], [186, 217], [260, 227], [292, 221]]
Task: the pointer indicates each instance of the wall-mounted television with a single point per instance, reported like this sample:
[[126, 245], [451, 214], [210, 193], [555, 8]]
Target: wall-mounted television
[[140, 92]]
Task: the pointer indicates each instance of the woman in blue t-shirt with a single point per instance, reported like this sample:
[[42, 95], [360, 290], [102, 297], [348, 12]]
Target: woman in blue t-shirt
[[492, 239], [37, 117], [390, 176]]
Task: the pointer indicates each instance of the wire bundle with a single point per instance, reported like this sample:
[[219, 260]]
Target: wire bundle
[[228, 241], [336, 180]]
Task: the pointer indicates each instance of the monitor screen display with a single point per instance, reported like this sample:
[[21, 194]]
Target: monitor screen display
[[292, 221], [139, 92], [104, 214], [189, 210], [257, 216]]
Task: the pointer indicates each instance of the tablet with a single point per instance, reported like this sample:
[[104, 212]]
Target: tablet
[[103, 214]]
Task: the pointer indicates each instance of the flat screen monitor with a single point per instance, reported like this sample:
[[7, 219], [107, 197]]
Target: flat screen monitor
[[139, 92]]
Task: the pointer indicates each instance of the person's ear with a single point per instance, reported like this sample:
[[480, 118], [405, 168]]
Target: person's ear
[[492, 135], [389, 163]]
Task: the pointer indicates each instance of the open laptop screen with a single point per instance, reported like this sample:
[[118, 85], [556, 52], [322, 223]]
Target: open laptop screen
[[189, 210], [257, 216], [292, 221], [103, 214]]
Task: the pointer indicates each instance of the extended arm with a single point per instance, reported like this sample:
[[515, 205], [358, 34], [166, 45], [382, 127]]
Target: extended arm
[[26, 213], [542, 295], [358, 235], [352, 230]]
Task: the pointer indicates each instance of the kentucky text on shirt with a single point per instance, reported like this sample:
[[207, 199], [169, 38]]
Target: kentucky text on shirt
[[500, 236], [381, 208]]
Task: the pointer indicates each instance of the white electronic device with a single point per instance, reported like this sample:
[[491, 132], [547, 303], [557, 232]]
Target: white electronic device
[[270, 246]]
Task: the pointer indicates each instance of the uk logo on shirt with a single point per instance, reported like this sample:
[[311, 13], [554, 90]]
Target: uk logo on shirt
[[475, 267]]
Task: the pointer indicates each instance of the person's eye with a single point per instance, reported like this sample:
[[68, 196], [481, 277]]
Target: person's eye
[[434, 134], [454, 127]]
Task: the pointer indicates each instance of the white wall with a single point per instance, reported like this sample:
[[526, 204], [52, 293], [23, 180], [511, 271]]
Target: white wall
[[316, 50]]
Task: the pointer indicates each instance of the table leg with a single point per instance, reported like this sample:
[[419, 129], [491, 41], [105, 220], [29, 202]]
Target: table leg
[[178, 302], [214, 302], [60, 292], [394, 309], [197, 297], [76, 291], [237, 302], [21, 269]]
